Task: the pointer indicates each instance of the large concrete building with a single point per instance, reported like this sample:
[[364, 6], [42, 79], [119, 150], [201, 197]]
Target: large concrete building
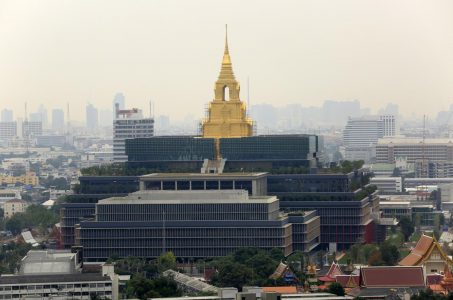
[[6, 115], [8, 130], [361, 135], [58, 275], [193, 224], [31, 128], [129, 124], [388, 150], [58, 120]]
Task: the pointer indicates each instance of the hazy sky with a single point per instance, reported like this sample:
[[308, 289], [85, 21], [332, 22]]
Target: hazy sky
[[375, 51]]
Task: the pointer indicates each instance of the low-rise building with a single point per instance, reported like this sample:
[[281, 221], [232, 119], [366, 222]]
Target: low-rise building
[[29, 178], [58, 275], [388, 185], [8, 194], [14, 206]]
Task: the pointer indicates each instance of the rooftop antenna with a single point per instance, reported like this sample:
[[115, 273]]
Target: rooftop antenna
[[26, 130], [423, 148], [68, 116], [150, 108]]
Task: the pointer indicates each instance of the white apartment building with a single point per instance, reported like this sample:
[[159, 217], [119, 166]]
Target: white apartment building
[[129, 124], [361, 135], [388, 185], [8, 130], [390, 125], [388, 150]]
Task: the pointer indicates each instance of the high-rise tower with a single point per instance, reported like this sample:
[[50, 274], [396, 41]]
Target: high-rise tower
[[227, 113]]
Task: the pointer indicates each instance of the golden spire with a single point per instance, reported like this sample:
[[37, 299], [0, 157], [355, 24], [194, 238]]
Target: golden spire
[[226, 52], [226, 70]]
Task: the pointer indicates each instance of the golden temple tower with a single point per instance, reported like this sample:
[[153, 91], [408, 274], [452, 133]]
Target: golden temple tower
[[227, 114]]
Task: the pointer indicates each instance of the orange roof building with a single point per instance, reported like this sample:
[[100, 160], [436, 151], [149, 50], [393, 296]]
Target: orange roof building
[[429, 254], [280, 289]]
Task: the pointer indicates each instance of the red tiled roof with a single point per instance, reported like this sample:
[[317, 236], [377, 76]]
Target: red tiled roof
[[334, 270], [326, 279], [348, 281], [437, 288], [15, 201], [417, 253], [395, 276], [280, 289]]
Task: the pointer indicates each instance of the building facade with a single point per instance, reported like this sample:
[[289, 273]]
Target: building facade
[[388, 150], [347, 217], [8, 130], [92, 117], [58, 120], [388, 185], [129, 124], [31, 128], [7, 115], [192, 224], [360, 137], [14, 206]]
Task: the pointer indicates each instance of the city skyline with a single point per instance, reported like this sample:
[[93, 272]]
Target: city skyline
[[311, 51]]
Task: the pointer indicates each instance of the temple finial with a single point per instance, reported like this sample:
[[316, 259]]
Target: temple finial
[[226, 39]]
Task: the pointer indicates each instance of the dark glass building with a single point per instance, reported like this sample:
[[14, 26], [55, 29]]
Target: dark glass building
[[170, 148], [264, 152], [193, 224], [347, 217]]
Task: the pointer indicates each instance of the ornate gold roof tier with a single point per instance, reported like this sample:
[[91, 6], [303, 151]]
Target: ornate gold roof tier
[[227, 114]]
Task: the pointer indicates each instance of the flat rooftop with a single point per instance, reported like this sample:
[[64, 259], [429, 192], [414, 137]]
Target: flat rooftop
[[189, 197], [414, 141], [201, 175]]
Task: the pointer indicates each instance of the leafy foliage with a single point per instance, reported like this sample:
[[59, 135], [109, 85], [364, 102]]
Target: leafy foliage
[[336, 288], [34, 216], [428, 294], [10, 257], [247, 266], [142, 288], [407, 228]]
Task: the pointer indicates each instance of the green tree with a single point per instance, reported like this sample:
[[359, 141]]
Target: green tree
[[389, 254], [336, 288], [166, 261], [261, 264], [407, 228], [296, 261], [234, 275]]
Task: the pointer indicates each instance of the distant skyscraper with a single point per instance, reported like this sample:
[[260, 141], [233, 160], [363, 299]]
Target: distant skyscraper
[[35, 117], [8, 130], [58, 120], [92, 117], [31, 128], [360, 137], [43, 112], [129, 124], [7, 115], [390, 125], [119, 98]]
